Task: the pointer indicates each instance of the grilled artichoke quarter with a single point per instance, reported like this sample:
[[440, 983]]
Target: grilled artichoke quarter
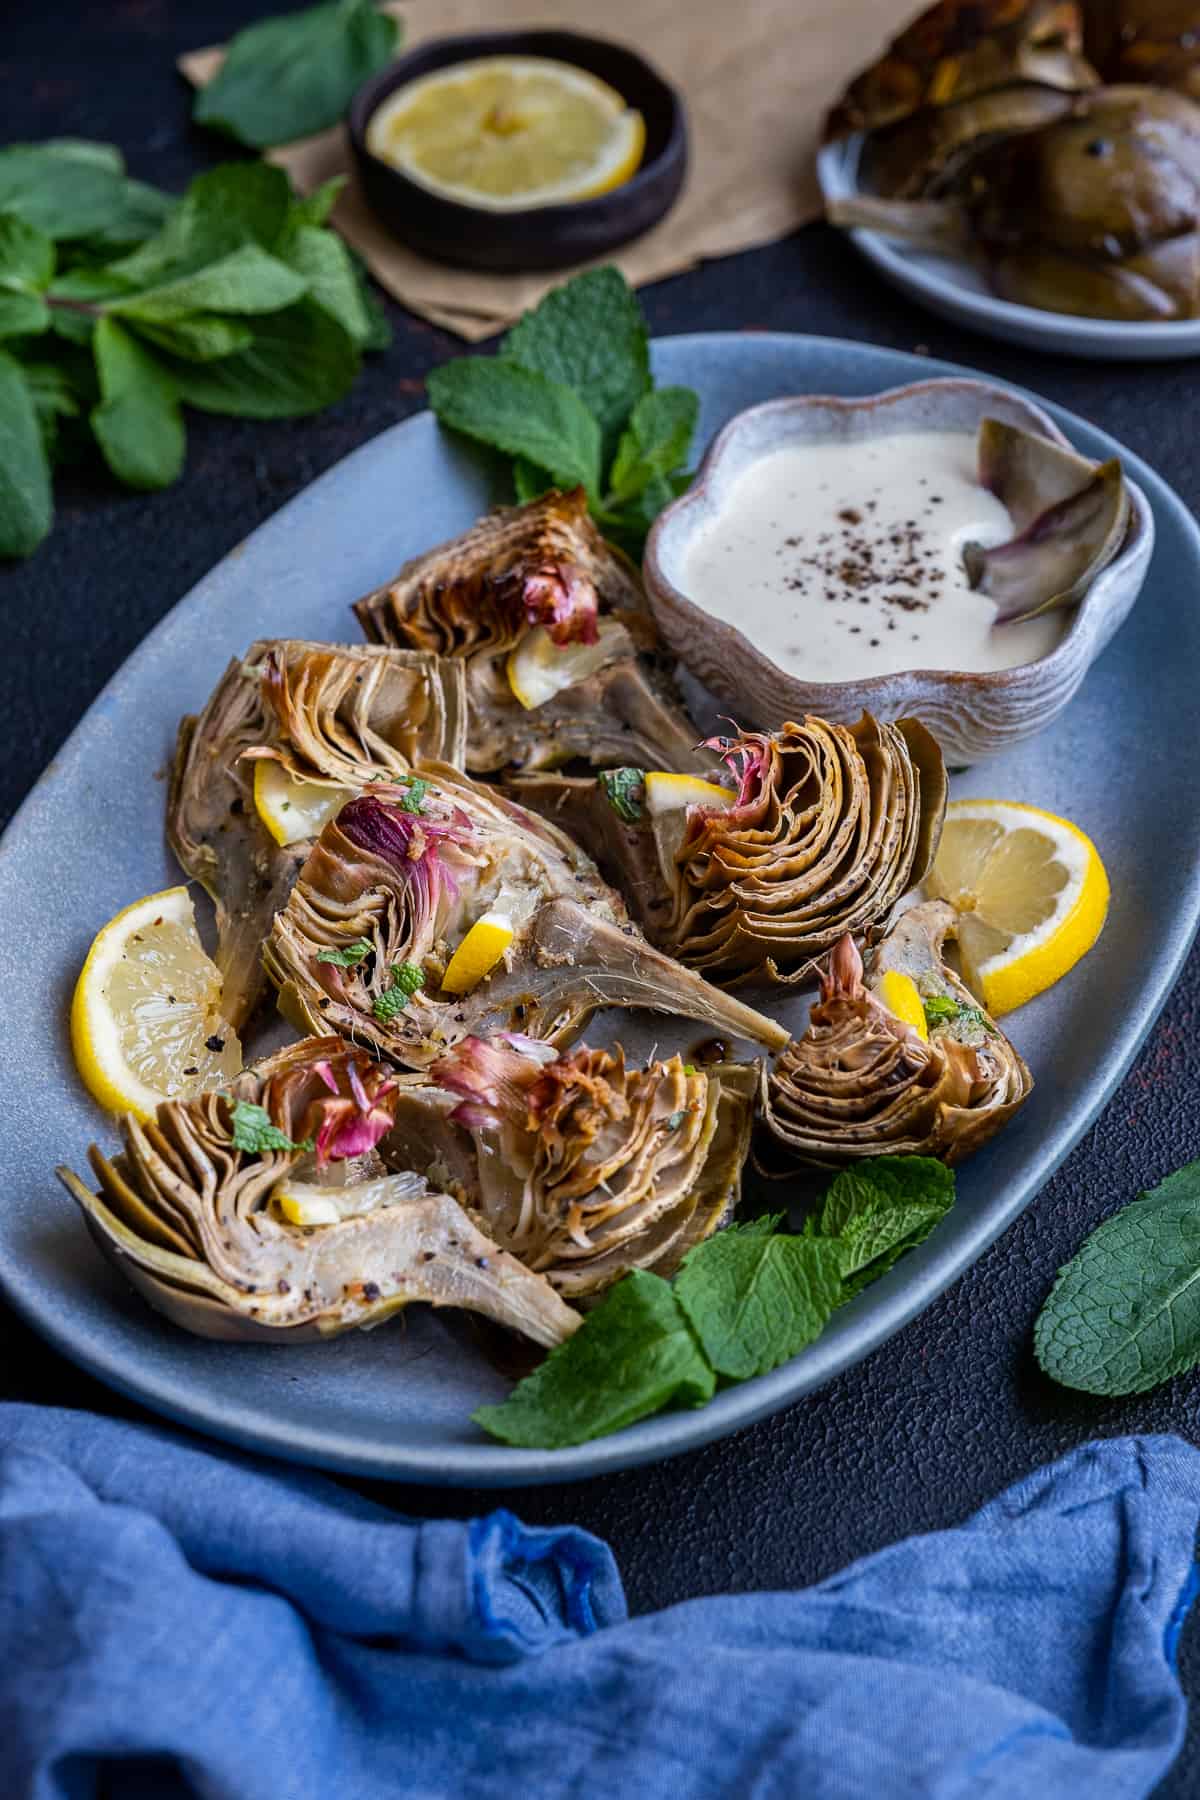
[[394, 884], [541, 568], [861, 1082], [578, 1165], [331, 714], [201, 1227], [829, 827]]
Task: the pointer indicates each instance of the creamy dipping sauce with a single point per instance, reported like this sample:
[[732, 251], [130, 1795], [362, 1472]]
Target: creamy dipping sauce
[[844, 560]]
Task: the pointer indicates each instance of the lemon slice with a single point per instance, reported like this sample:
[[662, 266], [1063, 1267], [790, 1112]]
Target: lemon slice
[[901, 996], [479, 952], [1031, 892], [145, 1019], [667, 793], [292, 809], [505, 132], [538, 668], [307, 1203]]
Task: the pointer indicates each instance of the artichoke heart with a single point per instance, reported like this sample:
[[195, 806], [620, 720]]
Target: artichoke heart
[[392, 887], [524, 568], [863, 1082], [833, 824], [331, 714], [580, 1166], [189, 1217]]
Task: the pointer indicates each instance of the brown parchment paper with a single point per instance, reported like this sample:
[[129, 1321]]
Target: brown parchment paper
[[757, 76]]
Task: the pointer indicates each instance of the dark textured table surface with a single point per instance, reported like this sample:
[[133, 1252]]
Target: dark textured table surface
[[954, 1407]]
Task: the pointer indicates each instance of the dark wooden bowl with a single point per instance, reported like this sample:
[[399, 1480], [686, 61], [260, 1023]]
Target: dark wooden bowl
[[538, 237]]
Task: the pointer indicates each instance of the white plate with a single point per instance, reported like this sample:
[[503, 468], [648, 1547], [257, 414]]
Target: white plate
[[955, 290]]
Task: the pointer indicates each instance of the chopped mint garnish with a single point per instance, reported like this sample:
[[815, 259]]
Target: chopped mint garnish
[[406, 979], [625, 791], [350, 956], [254, 1133]]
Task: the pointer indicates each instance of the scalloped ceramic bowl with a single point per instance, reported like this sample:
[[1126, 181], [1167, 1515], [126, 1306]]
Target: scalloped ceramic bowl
[[972, 714]]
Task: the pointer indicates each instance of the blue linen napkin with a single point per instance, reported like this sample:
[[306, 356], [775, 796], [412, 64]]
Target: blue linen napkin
[[174, 1621]]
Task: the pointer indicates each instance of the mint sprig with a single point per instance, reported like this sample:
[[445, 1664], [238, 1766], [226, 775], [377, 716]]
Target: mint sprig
[[1124, 1313], [571, 401], [743, 1302], [119, 306]]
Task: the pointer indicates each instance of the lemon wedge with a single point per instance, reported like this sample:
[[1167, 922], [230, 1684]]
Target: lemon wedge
[[145, 1019], [506, 132], [901, 995], [307, 1203], [306, 1209], [538, 668], [479, 952], [666, 792], [1031, 892], [292, 809]]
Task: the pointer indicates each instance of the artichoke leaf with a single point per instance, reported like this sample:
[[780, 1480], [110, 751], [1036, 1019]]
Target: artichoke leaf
[[861, 1082], [1071, 518]]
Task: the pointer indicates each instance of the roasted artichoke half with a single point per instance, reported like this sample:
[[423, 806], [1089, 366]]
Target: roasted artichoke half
[[830, 827], [331, 714], [395, 883], [861, 1082], [201, 1226], [539, 581], [577, 1164], [960, 50], [1093, 210], [1154, 41]]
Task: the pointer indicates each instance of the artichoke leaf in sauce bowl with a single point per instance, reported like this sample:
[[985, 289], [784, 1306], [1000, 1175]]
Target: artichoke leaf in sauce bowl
[[579, 1165], [324, 714], [1071, 518], [551, 625], [864, 1081], [196, 1220], [393, 889]]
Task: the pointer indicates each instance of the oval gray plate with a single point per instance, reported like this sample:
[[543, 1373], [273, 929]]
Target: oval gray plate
[[89, 839], [952, 288]]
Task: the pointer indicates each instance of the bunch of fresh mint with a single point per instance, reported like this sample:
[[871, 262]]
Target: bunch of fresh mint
[[571, 400], [119, 305], [743, 1302]]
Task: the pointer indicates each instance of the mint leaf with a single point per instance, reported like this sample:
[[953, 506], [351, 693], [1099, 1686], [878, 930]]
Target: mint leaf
[[69, 189], [350, 956], [323, 263], [254, 1133], [26, 256], [529, 481], [23, 315], [588, 335], [223, 209], [298, 361], [655, 441], [138, 424], [406, 980], [26, 508], [247, 280], [1124, 1314], [205, 338], [754, 1299], [288, 77], [520, 413], [625, 791], [879, 1208], [633, 1355], [315, 208]]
